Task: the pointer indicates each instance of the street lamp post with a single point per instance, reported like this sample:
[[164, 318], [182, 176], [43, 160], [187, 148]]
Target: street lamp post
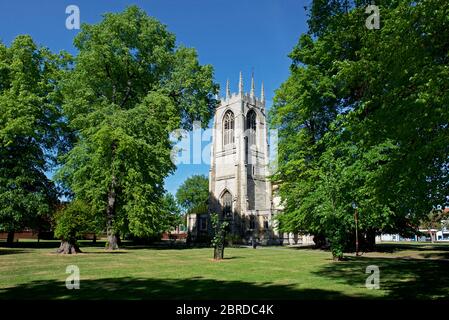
[[354, 206]]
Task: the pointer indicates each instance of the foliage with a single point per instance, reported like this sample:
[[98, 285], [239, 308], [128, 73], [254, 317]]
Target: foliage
[[363, 118], [130, 88], [73, 220], [218, 240], [193, 194], [435, 219], [31, 132], [171, 208]]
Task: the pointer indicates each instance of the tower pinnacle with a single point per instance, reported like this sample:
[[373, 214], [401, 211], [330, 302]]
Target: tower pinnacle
[[228, 90], [252, 85], [241, 84], [262, 94]]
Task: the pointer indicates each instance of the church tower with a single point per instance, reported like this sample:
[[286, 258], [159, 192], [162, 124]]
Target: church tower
[[239, 188]]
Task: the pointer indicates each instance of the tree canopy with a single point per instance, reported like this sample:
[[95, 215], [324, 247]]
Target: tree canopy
[[131, 86], [193, 194], [363, 118], [31, 130], [172, 211]]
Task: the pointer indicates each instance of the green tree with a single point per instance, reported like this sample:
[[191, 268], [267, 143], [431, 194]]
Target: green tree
[[363, 119], [193, 194], [218, 241], [72, 221], [172, 211], [31, 129], [130, 88], [435, 219]]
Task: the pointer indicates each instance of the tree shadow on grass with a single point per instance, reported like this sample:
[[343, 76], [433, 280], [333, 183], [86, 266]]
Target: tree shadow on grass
[[393, 247], [4, 251], [231, 258], [435, 255], [401, 278], [128, 288], [304, 247], [156, 247], [103, 252], [48, 244], [17, 247], [45, 244], [30, 245]]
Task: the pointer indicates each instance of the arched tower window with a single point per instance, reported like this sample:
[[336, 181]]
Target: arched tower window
[[226, 202], [228, 128], [251, 125]]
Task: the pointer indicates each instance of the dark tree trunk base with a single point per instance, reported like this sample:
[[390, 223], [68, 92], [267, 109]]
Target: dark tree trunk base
[[112, 243], [68, 247], [10, 238], [338, 258], [218, 253], [320, 241], [370, 240]]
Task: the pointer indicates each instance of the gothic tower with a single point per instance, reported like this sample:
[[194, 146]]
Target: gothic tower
[[239, 188]]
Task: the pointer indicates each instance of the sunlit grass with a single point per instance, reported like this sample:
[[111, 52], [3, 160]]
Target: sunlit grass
[[264, 273]]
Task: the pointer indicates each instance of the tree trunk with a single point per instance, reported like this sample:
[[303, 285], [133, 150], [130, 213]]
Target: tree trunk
[[112, 243], [219, 247], [68, 247], [337, 257], [218, 252], [320, 241], [370, 240], [94, 240], [10, 238]]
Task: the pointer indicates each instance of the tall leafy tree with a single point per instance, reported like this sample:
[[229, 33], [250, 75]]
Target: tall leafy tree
[[131, 86], [193, 194], [363, 118], [31, 128], [172, 211]]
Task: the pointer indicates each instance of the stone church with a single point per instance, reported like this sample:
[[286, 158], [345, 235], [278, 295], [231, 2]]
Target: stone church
[[239, 186]]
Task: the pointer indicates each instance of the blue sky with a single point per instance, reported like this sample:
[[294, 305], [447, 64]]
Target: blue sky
[[231, 35]]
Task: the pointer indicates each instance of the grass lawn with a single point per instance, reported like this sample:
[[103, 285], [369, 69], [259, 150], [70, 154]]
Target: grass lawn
[[406, 271]]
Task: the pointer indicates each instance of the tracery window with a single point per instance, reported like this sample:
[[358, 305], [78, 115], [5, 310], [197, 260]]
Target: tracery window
[[226, 201], [251, 125], [228, 128]]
